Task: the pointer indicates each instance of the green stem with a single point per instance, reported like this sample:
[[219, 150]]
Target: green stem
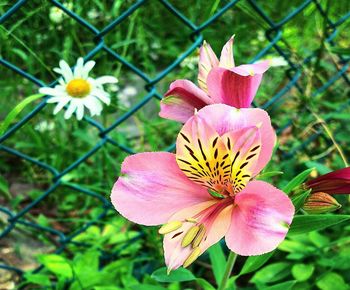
[[229, 266]]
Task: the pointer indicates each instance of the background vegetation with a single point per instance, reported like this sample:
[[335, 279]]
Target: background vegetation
[[114, 253]]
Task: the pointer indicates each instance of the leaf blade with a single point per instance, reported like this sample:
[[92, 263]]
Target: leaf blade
[[297, 180], [178, 275], [16, 111], [306, 223], [218, 261]]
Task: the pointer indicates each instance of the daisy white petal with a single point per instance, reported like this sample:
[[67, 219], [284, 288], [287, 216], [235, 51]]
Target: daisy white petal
[[87, 68], [102, 95], [66, 71], [80, 110], [61, 82], [96, 104], [79, 67], [52, 92], [71, 109], [60, 105], [61, 88], [106, 80], [57, 70], [56, 99], [90, 105]]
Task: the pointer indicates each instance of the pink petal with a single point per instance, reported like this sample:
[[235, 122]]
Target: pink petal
[[252, 69], [226, 58], [260, 219], [181, 100], [217, 227], [236, 87], [225, 119], [207, 61], [152, 188]]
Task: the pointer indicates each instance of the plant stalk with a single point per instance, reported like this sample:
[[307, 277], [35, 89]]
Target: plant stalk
[[229, 266]]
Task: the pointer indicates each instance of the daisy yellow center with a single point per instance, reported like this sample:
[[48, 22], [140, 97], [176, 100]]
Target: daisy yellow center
[[78, 88]]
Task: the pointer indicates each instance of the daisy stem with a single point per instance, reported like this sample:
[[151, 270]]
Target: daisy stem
[[229, 266]]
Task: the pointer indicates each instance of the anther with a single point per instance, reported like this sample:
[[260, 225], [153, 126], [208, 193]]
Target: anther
[[190, 235], [191, 220], [192, 257], [199, 237], [170, 227]]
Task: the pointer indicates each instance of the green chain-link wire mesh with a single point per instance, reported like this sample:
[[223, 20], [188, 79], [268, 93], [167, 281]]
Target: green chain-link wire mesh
[[274, 33]]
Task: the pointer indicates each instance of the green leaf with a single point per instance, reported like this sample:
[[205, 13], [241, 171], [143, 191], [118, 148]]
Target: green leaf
[[296, 181], [331, 281], [16, 110], [4, 188], [272, 273], [299, 200], [57, 265], [177, 275], [302, 272], [255, 262], [318, 240], [266, 175], [231, 283], [321, 168], [38, 279], [306, 223], [340, 50], [107, 288], [218, 261], [281, 286], [205, 285], [146, 287], [86, 262], [296, 247]]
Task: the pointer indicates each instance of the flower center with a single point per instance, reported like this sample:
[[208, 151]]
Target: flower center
[[78, 88]]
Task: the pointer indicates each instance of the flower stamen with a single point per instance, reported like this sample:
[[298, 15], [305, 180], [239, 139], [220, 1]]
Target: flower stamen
[[190, 236], [199, 237], [170, 227], [78, 88], [192, 257]]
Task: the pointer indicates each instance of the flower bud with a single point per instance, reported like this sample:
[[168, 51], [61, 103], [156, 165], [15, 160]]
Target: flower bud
[[320, 202], [335, 182]]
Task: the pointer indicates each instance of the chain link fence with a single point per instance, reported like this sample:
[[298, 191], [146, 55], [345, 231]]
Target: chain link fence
[[295, 74]]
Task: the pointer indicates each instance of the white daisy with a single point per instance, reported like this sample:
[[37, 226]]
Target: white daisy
[[77, 90]]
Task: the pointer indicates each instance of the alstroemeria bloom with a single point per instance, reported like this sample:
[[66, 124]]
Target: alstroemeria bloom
[[335, 182], [220, 82], [207, 189]]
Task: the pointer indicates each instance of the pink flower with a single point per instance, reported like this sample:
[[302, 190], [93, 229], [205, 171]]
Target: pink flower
[[220, 81], [335, 182], [206, 191]]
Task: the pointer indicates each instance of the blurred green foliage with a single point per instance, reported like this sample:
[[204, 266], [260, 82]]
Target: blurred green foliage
[[39, 35]]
